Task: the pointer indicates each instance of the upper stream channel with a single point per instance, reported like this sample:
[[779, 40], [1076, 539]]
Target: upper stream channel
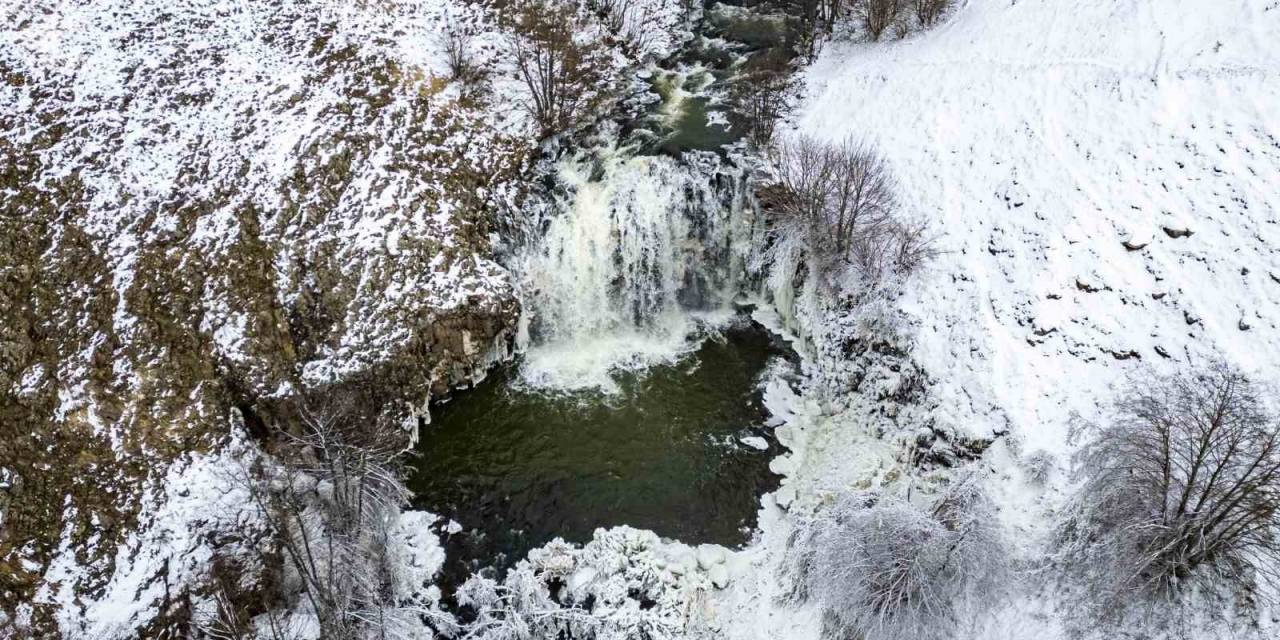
[[637, 395]]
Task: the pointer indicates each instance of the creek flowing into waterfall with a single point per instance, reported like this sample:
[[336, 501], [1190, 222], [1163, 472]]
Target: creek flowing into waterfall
[[636, 397]]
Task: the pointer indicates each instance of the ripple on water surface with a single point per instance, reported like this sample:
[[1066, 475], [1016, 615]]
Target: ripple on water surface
[[517, 467]]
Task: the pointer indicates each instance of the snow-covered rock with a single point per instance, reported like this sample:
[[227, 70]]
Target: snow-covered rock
[[710, 555], [719, 576]]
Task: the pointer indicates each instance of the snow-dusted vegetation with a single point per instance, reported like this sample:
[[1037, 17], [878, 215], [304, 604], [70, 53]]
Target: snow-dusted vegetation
[[882, 567], [1101, 179], [1024, 252], [1181, 487]]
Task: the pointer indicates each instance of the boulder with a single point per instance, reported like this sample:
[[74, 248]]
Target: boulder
[[719, 576], [710, 555]]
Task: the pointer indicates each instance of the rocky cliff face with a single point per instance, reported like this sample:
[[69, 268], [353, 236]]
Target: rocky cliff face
[[209, 208]]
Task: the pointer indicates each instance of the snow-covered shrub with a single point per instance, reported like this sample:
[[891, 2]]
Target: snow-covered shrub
[[1182, 483], [928, 12], [1039, 465], [520, 608], [838, 202], [877, 16], [623, 585], [888, 569]]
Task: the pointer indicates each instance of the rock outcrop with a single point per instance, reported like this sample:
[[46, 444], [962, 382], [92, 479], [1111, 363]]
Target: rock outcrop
[[205, 211]]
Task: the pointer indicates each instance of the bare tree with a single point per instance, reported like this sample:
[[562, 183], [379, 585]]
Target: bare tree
[[829, 13], [811, 21], [1183, 482], [887, 569], [805, 26], [229, 619], [626, 19], [840, 202], [760, 94], [329, 497], [877, 16], [561, 74], [929, 11], [457, 42]]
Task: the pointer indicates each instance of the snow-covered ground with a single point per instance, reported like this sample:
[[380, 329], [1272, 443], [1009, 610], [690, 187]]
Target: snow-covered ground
[[1040, 138], [1103, 176], [1062, 152]]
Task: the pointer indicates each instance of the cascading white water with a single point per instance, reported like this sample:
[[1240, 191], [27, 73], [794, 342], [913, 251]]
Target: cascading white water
[[630, 265]]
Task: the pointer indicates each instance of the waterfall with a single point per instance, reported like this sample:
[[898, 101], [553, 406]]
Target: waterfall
[[640, 253]]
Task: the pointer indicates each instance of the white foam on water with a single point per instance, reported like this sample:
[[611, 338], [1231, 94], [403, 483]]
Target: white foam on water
[[610, 284]]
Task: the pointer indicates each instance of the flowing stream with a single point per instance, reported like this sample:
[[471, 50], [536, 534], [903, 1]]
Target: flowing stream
[[637, 395]]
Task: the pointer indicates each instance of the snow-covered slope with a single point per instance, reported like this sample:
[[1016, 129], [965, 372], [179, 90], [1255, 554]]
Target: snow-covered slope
[[1062, 152], [208, 206], [1039, 138], [210, 210]]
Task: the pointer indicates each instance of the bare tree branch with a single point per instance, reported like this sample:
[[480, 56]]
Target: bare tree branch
[[840, 202], [1183, 482], [886, 569]]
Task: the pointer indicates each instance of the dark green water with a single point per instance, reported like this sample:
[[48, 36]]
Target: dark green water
[[687, 126], [517, 468]]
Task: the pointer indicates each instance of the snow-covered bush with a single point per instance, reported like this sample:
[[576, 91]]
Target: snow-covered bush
[[1182, 483], [1038, 465], [349, 569], [888, 569], [838, 201], [623, 585], [877, 16], [521, 608], [928, 12]]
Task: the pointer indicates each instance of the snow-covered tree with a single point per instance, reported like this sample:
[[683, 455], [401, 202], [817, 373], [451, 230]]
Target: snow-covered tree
[[839, 202], [1182, 482], [888, 569], [331, 499]]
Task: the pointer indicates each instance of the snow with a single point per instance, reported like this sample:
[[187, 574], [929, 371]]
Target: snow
[[416, 552], [196, 510], [632, 583], [1104, 177], [1039, 138]]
